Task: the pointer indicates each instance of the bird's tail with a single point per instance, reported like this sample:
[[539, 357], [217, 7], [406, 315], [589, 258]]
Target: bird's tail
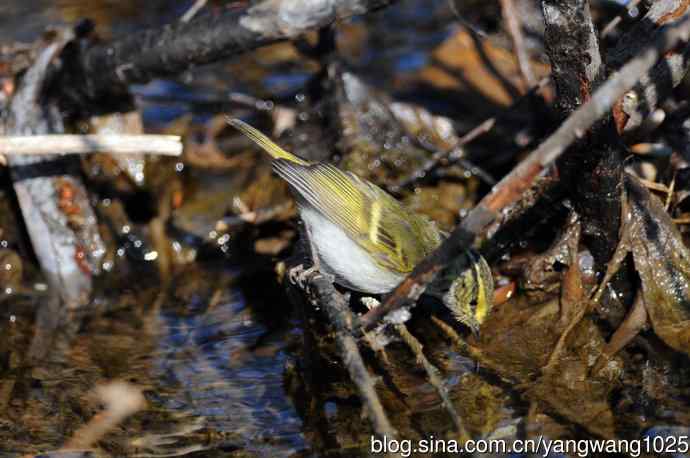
[[264, 142]]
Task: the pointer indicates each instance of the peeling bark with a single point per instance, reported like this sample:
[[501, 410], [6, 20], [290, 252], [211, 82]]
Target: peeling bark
[[54, 203]]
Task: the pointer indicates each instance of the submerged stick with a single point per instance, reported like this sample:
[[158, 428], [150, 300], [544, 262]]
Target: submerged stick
[[121, 400], [164, 145], [511, 188], [434, 378]]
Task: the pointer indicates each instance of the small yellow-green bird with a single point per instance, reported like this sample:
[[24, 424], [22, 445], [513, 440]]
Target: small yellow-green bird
[[365, 238]]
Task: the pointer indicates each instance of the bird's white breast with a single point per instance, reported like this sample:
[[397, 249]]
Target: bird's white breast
[[342, 257]]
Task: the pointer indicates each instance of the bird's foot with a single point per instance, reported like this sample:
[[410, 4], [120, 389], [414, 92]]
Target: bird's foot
[[370, 302], [301, 277]]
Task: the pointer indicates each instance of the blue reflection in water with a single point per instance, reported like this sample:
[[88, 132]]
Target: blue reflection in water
[[210, 357]]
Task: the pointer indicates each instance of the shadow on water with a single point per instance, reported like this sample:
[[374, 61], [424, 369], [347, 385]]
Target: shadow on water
[[211, 367], [226, 368]]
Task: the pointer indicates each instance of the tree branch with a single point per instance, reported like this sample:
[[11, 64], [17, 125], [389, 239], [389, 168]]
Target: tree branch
[[592, 173], [106, 69], [511, 188]]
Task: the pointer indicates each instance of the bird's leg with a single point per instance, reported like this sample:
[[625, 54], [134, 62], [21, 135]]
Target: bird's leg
[[298, 275]]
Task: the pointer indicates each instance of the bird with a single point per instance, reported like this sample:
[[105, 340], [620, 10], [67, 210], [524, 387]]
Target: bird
[[366, 239]]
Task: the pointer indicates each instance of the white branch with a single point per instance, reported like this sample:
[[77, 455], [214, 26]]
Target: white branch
[[165, 145]]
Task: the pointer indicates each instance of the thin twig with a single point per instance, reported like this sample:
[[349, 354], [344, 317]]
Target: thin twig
[[511, 188], [258, 216], [511, 18], [464, 22], [164, 145], [434, 378], [191, 12], [457, 151]]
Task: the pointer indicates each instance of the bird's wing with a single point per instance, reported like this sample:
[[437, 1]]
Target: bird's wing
[[367, 214]]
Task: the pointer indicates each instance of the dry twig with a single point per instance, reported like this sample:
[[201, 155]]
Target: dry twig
[[608, 28], [191, 12], [511, 18], [164, 145]]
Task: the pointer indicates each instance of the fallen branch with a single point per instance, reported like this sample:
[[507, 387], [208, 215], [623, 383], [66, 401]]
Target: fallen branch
[[106, 69], [164, 145], [53, 200], [511, 188]]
